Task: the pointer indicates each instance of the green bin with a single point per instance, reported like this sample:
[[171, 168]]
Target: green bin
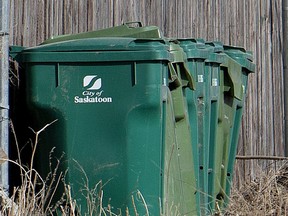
[[182, 80], [212, 66], [233, 89], [115, 116], [229, 89], [199, 105], [244, 59]]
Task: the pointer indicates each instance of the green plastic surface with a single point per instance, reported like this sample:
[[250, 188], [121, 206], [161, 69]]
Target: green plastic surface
[[235, 69], [191, 198], [172, 188], [93, 49], [212, 65], [244, 59], [125, 30], [199, 104], [114, 121]]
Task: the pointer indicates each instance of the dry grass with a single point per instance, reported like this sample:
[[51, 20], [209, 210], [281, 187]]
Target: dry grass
[[265, 195], [35, 195]]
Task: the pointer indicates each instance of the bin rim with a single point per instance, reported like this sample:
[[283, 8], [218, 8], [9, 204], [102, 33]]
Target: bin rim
[[124, 30], [216, 46], [194, 48], [98, 50], [191, 43], [238, 51], [102, 44], [242, 59]]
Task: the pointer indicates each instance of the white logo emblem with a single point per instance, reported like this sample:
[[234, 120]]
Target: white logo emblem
[[92, 82], [92, 92]]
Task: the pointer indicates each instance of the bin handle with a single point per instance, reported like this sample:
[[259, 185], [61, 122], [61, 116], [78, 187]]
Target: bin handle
[[234, 79], [14, 51], [190, 82], [128, 24], [183, 78], [174, 79]]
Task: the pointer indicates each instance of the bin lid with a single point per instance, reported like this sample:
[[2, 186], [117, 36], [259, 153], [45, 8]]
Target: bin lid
[[194, 48], [179, 56], [216, 46], [128, 29], [177, 51], [240, 51], [191, 43], [217, 52], [98, 49], [235, 73], [241, 56], [15, 50]]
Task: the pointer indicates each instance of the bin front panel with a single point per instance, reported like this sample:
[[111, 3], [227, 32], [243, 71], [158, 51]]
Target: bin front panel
[[110, 125]]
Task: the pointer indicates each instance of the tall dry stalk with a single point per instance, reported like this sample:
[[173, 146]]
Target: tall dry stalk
[[35, 194]]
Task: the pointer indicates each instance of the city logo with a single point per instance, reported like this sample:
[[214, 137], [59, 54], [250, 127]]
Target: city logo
[[92, 92], [91, 82]]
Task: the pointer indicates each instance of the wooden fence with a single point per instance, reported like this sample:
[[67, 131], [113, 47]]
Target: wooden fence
[[253, 24]]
